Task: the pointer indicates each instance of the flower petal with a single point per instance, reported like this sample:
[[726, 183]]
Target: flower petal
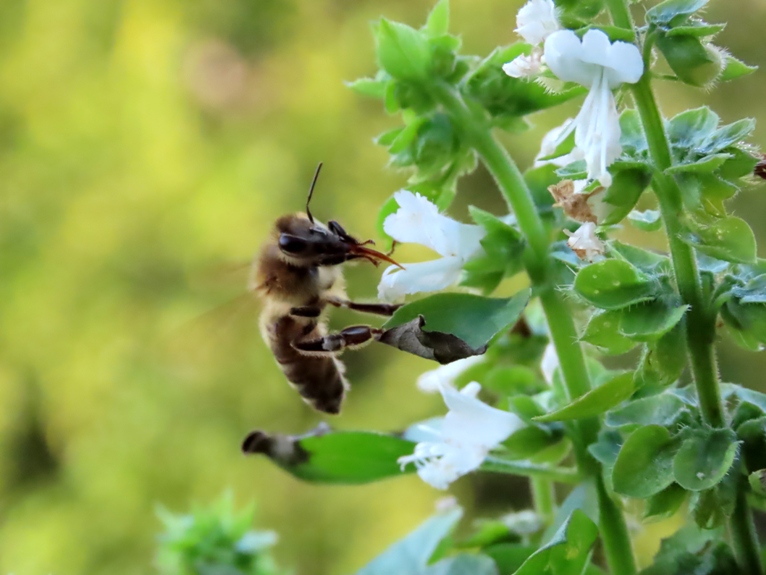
[[563, 51], [524, 66], [429, 276], [536, 20], [433, 380]]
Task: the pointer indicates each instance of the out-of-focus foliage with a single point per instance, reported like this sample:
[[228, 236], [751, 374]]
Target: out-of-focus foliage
[[215, 540], [145, 145]]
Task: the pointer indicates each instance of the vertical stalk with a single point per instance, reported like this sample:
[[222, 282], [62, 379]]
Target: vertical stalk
[[700, 319], [514, 189], [543, 498]]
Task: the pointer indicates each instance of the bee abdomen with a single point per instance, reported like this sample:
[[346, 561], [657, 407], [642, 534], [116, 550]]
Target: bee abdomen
[[319, 380]]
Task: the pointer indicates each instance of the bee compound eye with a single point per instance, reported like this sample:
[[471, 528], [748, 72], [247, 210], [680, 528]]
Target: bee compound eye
[[292, 244]]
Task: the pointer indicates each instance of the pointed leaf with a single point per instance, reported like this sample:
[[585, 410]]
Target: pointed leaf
[[647, 221], [603, 331], [736, 69], [729, 239], [596, 401], [663, 13], [644, 465], [411, 554], [649, 321], [705, 458], [613, 284], [326, 456], [438, 20]]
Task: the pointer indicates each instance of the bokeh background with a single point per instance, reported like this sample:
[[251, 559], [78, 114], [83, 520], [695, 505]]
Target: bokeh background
[[146, 146]]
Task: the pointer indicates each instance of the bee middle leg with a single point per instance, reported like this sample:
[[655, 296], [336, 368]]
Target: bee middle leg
[[387, 309], [348, 338]]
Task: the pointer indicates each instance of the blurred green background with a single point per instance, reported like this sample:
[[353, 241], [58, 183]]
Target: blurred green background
[[146, 146]]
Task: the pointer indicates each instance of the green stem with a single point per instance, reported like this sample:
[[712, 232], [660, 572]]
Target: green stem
[[560, 322], [544, 498], [527, 469], [700, 320]]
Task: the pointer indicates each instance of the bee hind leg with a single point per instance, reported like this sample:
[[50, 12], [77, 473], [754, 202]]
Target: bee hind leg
[[349, 338], [387, 309]]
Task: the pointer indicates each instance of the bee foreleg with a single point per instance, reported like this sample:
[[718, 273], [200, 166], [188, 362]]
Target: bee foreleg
[[387, 309], [349, 338]]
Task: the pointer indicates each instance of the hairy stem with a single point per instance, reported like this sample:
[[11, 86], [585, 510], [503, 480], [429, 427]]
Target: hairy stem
[[544, 499], [700, 319], [560, 323]]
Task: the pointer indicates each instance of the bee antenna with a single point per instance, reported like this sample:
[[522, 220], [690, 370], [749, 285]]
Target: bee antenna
[[311, 192]]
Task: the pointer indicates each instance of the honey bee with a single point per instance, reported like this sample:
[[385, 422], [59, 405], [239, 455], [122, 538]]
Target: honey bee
[[297, 275]]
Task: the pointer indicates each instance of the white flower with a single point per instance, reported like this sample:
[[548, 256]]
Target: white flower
[[585, 243], [536, 20], [523, 65], [469, 431], [551, 141], [549, 363], [601, 66], [419, 221], [433, 380]]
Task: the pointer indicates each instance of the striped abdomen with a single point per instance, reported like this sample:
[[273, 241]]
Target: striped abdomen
[[319, 380]]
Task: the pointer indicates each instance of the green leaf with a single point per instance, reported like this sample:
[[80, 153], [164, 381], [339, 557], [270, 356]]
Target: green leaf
[[603, 331], [729, 239], [502, 96], [509, 556], [324, 456], [644, 465], [596, 401], [648, 262], [691, 128], [663, 13], [624, 193], [705, 165], [528, 441], [402, 51], [694, 62], [692, 550], [661, 409], [663, 361], [728, 135], [704, 459], [567, 552], [438, 20], [665, 504], [460, 565], [473, 319], [736, 69], [632, 138], [647, 221], [649, 321], [696, 28], [411, 554], [613, 284], [369, 87]]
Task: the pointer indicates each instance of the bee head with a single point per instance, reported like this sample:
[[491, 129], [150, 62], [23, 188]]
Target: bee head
[[306, 242]]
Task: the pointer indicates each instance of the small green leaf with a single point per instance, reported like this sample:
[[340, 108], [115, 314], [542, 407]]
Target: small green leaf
[[661, 409], [509, 556], [528, 441], [649, 321], [696, 28], [728, 135], [663, 13], [438, 20], [729, 239], [613, 284], [650, 263], [694, 62], [647, 221], [666, 503], [632, 138], [473, 319], [324, 456], [704, 459], [691, 128], [603, 331], [624, 193], [705, 165], [401, 50], [594, 402], [369, 87], [736, 69], [567, 552], [757, 480], [644, 465], [411, 554], [663, 361]]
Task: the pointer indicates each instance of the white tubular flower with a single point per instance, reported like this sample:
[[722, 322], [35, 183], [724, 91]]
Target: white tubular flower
[[585, 243], [419, 221], [535, 21], [551, 141], [470, 430], [601, 66], [433, 380]]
